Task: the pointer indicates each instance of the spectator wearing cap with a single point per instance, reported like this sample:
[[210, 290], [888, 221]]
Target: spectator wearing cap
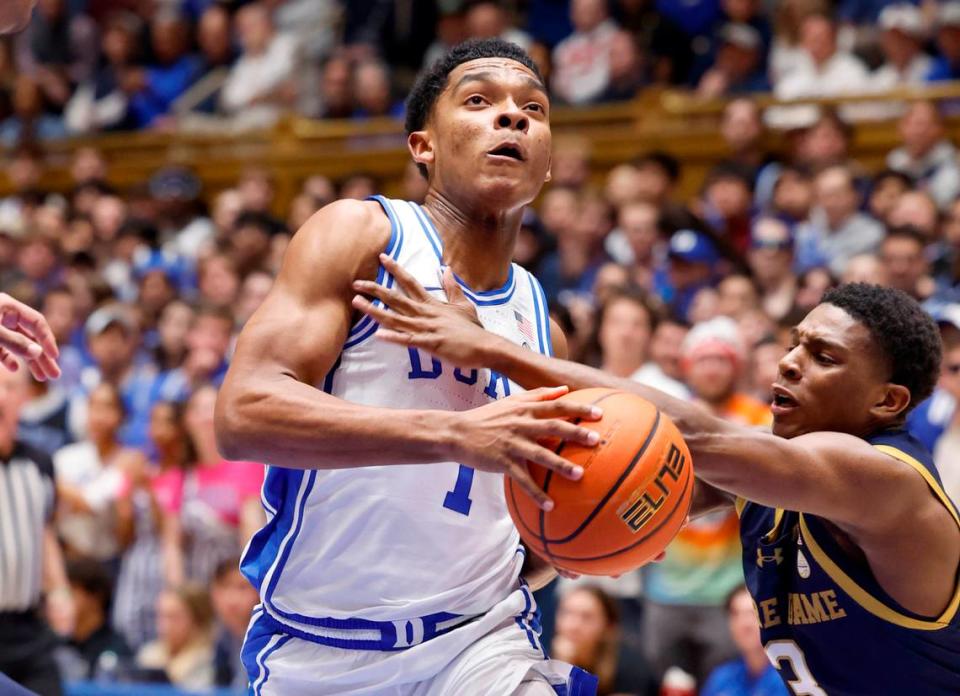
[[692, 258], [581, 62], [113, 339], [825, 70], [947, 65], [771, 261], [837, 231], [738, 66], [902, 35], [927, 155]]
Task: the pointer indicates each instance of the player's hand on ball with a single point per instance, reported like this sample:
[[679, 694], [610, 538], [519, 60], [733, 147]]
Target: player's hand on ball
[[449, 330], [506, 434]]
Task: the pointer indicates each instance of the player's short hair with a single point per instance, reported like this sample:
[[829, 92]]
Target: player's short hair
[[906, 335], [431, 82]]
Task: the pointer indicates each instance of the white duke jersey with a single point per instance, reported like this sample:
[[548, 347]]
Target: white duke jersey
[[347, 548]]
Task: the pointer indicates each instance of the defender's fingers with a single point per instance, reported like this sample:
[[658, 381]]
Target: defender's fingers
[[401, 338], [48, 366], [520, 474], [8, 360], [382, 316], [395, 300], [452, 288], [405, 280]]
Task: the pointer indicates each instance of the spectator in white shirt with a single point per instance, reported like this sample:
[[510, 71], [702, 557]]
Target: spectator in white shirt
[[260, 85], [581, 62], [901, 40], [926, 154], [827, 71]]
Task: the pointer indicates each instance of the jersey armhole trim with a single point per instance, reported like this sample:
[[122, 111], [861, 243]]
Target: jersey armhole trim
[[738, 504], [866, 600], [366, 327], [540, 303]]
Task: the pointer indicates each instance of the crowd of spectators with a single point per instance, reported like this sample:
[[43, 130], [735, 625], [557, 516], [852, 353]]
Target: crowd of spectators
[[147, 289], [86, 66]]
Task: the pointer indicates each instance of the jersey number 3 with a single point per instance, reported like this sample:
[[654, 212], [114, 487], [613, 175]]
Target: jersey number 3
[[780, 651], [458, 499]]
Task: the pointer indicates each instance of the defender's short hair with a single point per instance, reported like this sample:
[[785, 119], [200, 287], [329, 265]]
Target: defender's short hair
[[906, 335]]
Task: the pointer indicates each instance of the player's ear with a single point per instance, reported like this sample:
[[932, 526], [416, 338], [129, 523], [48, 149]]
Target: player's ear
[[421, 147], [549, 169], [895, 399]]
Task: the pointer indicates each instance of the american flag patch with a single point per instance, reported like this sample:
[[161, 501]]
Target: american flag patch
[[526, 328]]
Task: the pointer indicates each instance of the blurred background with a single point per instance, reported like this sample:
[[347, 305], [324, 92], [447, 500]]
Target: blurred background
[[718, 165]]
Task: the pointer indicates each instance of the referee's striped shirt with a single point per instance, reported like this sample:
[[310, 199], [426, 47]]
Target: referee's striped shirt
[[27, 496]]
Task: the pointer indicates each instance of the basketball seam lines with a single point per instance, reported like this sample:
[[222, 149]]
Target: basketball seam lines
[[610, 493]]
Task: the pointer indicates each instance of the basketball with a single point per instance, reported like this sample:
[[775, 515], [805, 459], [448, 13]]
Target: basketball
[[631, 501]]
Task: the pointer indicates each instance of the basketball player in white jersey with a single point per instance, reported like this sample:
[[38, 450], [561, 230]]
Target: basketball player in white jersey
[[389, 563]]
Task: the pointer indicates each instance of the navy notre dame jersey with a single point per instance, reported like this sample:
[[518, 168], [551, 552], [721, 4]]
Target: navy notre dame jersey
[[825, 622]]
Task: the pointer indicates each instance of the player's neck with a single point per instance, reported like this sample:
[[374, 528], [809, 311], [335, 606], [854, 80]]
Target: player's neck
[[477, 244]]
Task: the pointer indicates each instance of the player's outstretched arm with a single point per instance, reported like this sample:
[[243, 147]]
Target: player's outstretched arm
[[270, 408], [882, 504]]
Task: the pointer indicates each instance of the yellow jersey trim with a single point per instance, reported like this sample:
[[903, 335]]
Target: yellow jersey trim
[[739, 503], [864, 598]]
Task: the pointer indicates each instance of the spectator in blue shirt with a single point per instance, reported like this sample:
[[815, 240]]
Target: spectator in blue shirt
[[751, 674], [155, 88], [947, 65]]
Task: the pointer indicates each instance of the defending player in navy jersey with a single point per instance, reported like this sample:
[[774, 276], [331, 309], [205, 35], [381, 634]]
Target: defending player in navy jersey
[[389, 563], [850, 546]]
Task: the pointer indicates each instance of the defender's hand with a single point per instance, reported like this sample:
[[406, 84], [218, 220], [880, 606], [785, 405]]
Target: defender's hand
[[449, 330], [25, 334], [506, 434]]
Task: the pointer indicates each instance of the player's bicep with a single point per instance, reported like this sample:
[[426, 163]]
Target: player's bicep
[[559, 341], [304, 320]]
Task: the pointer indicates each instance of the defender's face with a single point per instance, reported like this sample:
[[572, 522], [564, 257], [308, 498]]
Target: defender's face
[[14, 14], [829, 378], [489, 133]]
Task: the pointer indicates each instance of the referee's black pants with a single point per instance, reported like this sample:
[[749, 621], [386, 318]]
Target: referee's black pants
[[26, 652]]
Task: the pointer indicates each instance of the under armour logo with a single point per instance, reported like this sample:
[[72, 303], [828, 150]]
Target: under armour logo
[[776, 557]]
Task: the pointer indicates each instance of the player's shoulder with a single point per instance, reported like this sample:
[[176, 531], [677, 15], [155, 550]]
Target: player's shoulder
[[358, 224]]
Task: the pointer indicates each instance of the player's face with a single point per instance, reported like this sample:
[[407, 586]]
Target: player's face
[[488, 137], [830, 378], [14, 14]]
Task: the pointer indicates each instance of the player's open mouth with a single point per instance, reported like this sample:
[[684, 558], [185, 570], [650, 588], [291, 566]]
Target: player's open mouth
[[507, 151], [783, 401]]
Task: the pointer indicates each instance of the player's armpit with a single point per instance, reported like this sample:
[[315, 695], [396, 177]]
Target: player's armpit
[[536, 571], [707, 499]]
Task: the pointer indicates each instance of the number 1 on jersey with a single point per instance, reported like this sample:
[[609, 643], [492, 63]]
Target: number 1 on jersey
[[458, 499]]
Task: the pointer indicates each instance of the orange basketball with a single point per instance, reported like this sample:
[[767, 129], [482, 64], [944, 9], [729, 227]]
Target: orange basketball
[[631, 501]]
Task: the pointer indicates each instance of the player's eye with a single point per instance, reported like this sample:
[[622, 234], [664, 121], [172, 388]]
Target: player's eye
[[535, 106], [823, 358], [475, 100]]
